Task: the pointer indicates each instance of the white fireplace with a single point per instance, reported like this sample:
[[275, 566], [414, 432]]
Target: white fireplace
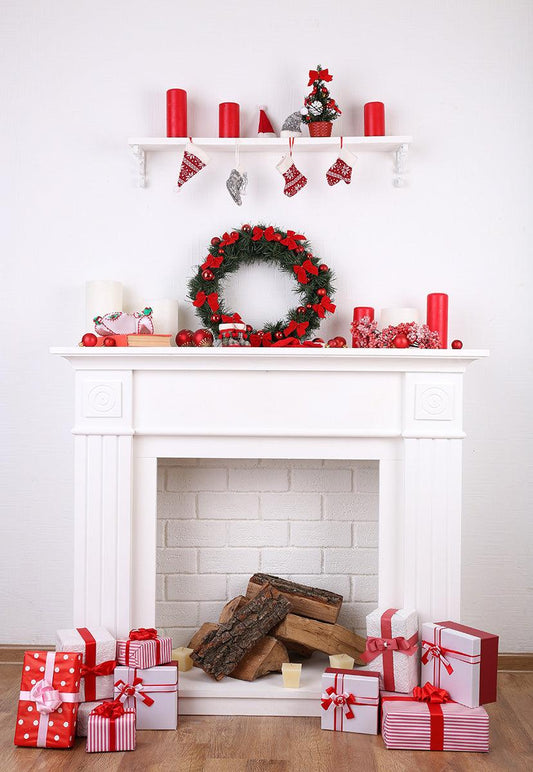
[[401, 408]]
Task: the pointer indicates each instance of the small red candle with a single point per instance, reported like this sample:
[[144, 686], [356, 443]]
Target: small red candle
[[437, 316], [176, 112], [374, 119], [228, 119], [358, 314]]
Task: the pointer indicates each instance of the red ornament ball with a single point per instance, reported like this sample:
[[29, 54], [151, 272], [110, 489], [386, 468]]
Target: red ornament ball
[[277, 236], [109, 341], [341, 342], [332, 343], [202, 338], [89, 339], [235, 233], [309, 305], [260, 333], [216, 318], [215, 240], [221, 251], [247, 227], [278, 335], [323, 268], [249, 328], [401, 341], [321, 292], [457, 343], [299, 249], [208, 275], [300, 310], [184, 338], [318, 340]]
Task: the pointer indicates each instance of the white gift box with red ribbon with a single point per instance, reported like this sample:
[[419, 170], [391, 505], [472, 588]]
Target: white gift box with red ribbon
[[392, 647], [152, 691], [462, 660], [350, 701]]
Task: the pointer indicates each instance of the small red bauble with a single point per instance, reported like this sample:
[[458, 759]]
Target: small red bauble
[[323, 267], [318, 340], [109, 341], [247, 227], [89, 339], [321, 292], [249, 328], [299, 249], [202, 338], [216, 318], [401, 341], [208, 275], [457, 343], [278, 335], [215, 240], [277, 236], [300, 310], [260, 333], [341, 342], [220, 251], [310, 255], [184, 338], [309, 305], [332, 343]]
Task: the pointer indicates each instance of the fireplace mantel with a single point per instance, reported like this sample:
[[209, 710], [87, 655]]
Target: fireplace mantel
[[400, 407]]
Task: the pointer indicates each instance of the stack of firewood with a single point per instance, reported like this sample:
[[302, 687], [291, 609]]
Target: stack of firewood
[[257, 632]]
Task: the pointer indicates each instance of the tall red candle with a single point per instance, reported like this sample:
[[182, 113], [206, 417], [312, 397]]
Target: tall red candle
[[229, 119], [437, 316], [176, 112], [374, 119], [358, 313]]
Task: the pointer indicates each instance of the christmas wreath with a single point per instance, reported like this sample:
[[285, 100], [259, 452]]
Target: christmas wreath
[[287, 250]]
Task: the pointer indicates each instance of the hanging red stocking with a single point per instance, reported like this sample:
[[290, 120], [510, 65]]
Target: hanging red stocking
[[194, 159], [342, 168], [294, 179]]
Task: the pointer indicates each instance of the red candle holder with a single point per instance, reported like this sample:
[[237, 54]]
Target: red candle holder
[[176, 112], [437, 316], [374, 119], [358, 313], [229, 119]]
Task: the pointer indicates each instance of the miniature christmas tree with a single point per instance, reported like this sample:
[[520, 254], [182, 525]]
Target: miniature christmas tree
[[318, 105]]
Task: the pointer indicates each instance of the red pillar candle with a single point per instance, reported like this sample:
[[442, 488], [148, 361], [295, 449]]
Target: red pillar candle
[[437, 316], [358, 314], [228, 119], [176, 112], [374, 119]]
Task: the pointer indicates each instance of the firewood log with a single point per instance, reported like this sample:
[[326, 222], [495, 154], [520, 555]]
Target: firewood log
[[306, 601], [319, 636]]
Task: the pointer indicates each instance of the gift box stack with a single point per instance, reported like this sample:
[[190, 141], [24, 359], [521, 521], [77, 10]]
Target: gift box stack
[[457, 666], [97, 687]]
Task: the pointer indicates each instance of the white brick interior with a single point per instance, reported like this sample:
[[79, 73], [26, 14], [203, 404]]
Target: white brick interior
[[219, 521]]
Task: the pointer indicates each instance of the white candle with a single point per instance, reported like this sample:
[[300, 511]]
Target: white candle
[[182, 655], [394, 316], [101, 297], [342, 661], [291, 672], [165, 316]]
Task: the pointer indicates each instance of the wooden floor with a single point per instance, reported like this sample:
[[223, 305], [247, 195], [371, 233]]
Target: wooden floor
[[246, 744]]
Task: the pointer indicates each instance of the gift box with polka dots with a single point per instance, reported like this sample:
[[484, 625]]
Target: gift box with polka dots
[[48, 700]]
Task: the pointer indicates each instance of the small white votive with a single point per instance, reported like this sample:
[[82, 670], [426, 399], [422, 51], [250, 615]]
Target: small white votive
[[291, 674], [182, 655], [342, 661]]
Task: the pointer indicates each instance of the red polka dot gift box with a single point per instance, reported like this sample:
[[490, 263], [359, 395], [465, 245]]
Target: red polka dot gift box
[[48, 700]]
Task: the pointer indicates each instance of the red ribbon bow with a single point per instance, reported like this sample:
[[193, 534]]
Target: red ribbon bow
[[376, 646], [429, 693], [109, 709], [133, 690], [236, 319], [143, 634], [298, 327], [229, 238], [302, 270], [292, 239], [212, 300], [324, 305], [435, 651], [319, 75], [258, 233], [212, 261], [104, 668], [343, 700]]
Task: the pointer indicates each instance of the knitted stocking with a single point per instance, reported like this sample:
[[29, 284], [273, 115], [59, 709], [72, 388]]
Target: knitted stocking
[[342, 168]]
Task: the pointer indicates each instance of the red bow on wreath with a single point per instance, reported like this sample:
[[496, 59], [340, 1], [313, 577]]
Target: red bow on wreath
[[212, 261], [302, 270], [299, 327], [229, 238], [324, 305], [229, 319], [292, 239], [258, 233], [212, 300], [316, 75]]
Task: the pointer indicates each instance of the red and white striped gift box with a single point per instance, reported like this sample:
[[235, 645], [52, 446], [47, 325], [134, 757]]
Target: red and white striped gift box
[[111, 728], [410, 724], [144, 649]]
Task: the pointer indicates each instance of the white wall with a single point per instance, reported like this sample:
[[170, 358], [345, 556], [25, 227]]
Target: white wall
[[79, 78]]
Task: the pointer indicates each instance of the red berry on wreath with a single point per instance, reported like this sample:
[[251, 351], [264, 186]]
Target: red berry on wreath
[[202, 338], [457, 343], [323, 267], [300, 310], [249, 328], [260, 333], [89, 339], [235, 233], [215, 240], [341, 342], [299, 249], [247, 228], [309, 305], [278, 335], [109, 341], [221, 251], [321, 292], [401, 341], [208, 275], [277, 236], [216, 318], [184, 338]]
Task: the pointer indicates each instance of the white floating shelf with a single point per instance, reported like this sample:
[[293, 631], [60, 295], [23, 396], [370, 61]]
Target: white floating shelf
[[397, 145]]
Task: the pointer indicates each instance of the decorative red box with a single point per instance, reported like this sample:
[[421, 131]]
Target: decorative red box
[[111, 728], [49, 693], [144, 649]]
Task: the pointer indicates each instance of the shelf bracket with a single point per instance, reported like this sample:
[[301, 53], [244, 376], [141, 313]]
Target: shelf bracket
[[400, 166], [140, 158]]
